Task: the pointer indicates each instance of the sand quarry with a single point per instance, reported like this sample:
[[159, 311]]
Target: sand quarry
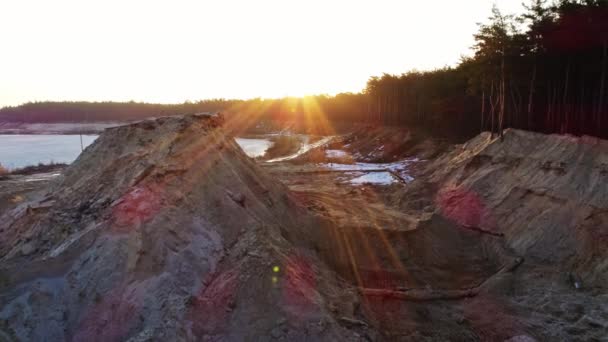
[[166, 230]]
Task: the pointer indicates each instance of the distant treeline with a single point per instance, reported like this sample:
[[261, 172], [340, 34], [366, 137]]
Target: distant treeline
[[544, 70], [313, 113], [52, 112]]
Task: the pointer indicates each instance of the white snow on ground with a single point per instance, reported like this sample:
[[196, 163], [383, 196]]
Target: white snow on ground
[[336, 154], [42, 177], [303, 149], [380, 178], [377, 152], [399, 167], [353, 167]]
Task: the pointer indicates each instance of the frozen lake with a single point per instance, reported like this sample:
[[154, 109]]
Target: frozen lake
[[23, 150]]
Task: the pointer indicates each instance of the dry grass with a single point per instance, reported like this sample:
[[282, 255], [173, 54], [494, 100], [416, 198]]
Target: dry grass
[[41, 167], [32, 169]]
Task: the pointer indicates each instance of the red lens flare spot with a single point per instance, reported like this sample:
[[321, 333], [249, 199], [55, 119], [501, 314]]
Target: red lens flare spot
[[299, 287], [490, 319], [110, 318], [211, 308], [465, 207], [137, 206]]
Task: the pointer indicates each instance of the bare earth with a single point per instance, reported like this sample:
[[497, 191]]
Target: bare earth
[[161, 232]]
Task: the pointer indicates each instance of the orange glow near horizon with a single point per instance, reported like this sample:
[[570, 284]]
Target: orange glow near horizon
[[308, 115], [171, 52]]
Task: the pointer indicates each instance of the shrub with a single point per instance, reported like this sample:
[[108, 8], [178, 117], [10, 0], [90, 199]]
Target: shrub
[[283, 145]]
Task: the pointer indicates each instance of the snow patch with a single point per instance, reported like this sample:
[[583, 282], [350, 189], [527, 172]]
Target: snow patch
[[336, 154], [400, 168], [42, 177], [379, 178], [303, 149]]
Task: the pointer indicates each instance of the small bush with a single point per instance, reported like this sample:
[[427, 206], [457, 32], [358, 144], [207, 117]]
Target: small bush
[[283, 145]]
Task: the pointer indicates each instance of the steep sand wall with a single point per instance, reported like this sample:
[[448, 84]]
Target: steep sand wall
[[547, 194]]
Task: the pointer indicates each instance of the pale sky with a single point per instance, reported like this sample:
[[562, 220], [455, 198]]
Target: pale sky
[[178, 50]]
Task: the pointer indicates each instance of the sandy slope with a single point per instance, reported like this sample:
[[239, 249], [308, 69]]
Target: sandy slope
[[547, 194], [545, 199], [165, 230]]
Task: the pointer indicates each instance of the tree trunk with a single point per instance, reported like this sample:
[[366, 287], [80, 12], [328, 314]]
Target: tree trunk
[[554, 109], [492, 110], [502, 94], [582, 123], [531, 96], [483, 105], [600, 104], [564, 119], [548, 119], [514, 122]]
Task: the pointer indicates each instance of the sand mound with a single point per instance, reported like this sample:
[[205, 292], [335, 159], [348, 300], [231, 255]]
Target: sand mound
[[548, 195], [165, 230], [387, 144], [537, 200]]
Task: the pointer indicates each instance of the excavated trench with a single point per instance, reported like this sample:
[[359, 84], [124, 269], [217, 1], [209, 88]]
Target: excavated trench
[[503, 238], [372, 245], [436, 257]]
